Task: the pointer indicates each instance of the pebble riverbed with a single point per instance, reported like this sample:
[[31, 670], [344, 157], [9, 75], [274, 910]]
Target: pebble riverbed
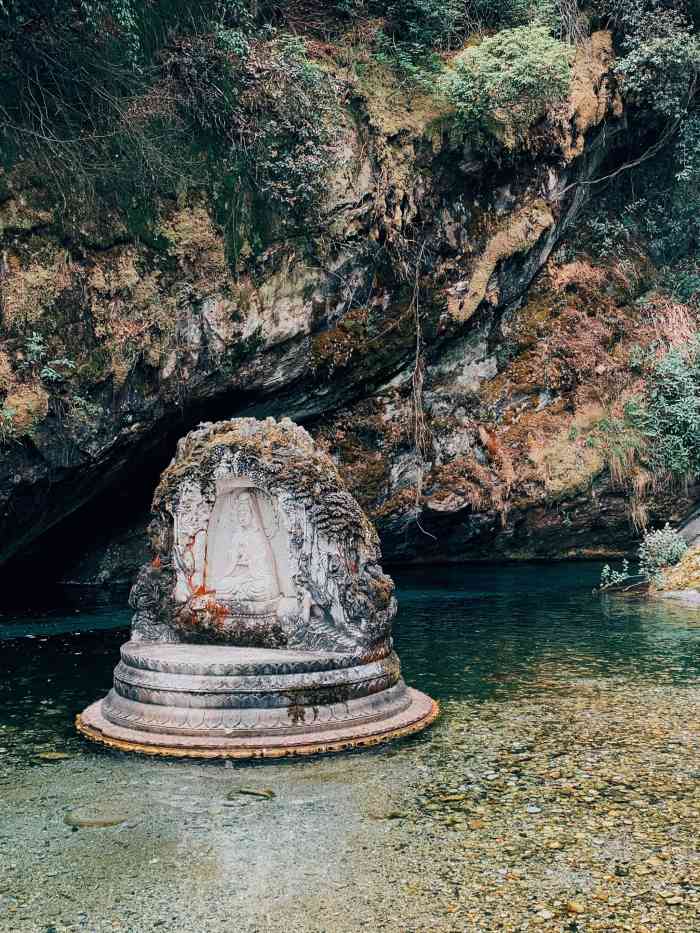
[[564, 797]]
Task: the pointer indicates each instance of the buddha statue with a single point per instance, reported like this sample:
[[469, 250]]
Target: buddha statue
[[250, 573], [262, 623]]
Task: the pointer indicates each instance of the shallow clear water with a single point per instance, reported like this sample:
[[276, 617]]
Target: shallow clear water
[[478, 632], [548, 693], [462, 633]]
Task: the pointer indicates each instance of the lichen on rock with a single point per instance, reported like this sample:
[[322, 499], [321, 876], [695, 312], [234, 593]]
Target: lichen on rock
[[308, 572]]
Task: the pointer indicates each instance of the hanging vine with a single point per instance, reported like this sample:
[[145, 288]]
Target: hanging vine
[[422, 437]]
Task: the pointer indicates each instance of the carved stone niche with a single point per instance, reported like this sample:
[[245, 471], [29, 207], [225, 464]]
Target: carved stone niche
[[232, 563], [262, 626]]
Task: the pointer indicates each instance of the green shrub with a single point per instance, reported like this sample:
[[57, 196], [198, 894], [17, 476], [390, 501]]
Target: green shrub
[[8, 431], [509, 79], [425, 22], [658, 67], [57, 370], [607, 234], [662, 58], [660, 549], [446, 23], [669, 417], [678, 213], [414, 63], [610, 577], [682, 281]]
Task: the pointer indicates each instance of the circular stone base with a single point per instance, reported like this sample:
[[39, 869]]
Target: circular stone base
[[420, 713], [203, 701]]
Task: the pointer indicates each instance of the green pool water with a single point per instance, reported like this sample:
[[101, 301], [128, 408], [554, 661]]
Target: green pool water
[[480, 632], [533, 673], [461, 632]]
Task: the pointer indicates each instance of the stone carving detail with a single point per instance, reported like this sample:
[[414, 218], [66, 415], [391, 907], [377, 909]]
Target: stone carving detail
[[257, 543], [241, 562], [263, 622]]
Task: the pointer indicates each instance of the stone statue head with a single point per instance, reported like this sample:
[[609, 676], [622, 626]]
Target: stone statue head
[[246, 516]]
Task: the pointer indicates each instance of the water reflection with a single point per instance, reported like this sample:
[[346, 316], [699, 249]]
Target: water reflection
[[462, 633], [480, 631], [46, 680]]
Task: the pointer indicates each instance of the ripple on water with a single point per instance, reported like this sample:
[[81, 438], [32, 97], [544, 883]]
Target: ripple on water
[[463, 634], [539, 783]]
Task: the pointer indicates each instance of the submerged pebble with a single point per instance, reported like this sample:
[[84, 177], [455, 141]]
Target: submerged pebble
[[265, 792], [53, 756], [90, 820]]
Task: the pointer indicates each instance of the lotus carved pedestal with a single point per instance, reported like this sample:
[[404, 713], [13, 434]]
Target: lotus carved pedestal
[[262, 627]]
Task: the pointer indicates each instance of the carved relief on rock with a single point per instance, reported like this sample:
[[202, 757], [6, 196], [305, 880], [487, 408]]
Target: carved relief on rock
[[247, 544], [263, 623], [259, 544]]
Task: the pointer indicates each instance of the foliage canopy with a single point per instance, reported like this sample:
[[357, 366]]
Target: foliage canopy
[[115, 103]]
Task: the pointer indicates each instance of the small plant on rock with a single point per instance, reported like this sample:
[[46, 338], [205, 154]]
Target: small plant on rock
[[610, 578], [34, 350], [669, 416], [56, 370], [659, 549], [7, 425]]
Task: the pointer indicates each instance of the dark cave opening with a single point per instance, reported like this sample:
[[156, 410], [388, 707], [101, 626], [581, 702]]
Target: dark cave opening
[[40, 575]]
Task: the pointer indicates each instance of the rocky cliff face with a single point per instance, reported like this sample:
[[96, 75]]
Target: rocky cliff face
[[402, 331], [525, 455]]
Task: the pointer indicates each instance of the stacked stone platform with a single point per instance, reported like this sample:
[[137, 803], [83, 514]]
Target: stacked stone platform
[[222, 701]]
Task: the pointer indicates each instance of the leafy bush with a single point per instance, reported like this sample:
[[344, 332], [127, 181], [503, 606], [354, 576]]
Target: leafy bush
[[679, 212], [56, 370], [509, 79], [7, 425], [682, 281], [661, 60], [445, 23], [670, 415], [605, 234], [35, 350], [414, 63], [610, 577], [426, 22], [658, 67], [659, 549]]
